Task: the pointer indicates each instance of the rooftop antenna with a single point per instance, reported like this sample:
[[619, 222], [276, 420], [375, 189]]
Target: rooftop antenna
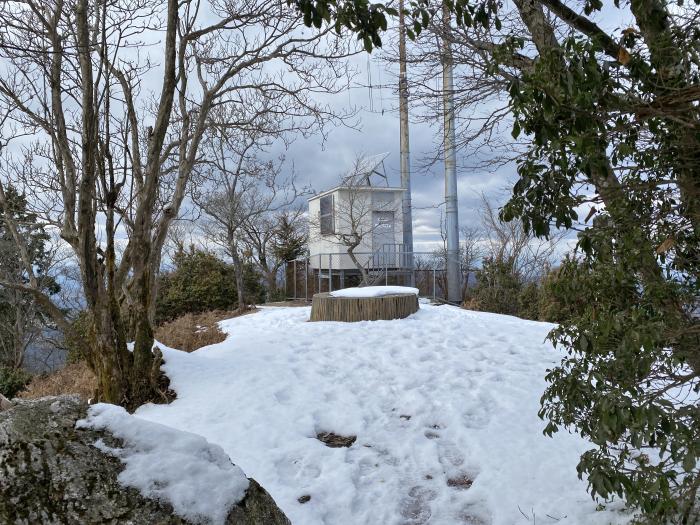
[[404, 145], [454, 275], [368, 166]]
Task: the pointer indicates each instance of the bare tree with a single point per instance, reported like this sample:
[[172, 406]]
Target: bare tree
[[513, 263], [484, 117], [272, 239], [110, 160], [471, 250], [237, 190], [20, 326], [352, 214], [523, 253]]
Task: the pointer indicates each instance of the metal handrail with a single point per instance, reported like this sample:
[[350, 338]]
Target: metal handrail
[[405, 264], [368, 257]]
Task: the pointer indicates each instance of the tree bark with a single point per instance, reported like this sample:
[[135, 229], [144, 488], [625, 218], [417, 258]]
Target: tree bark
[[239, 273], [271, 277], [362, 270], [143, 382]]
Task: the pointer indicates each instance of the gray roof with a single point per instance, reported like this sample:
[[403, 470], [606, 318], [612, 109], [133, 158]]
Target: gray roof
[[357, 188]]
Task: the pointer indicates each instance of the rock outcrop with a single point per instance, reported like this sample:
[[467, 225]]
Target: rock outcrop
[[51, 473], [5, 404]]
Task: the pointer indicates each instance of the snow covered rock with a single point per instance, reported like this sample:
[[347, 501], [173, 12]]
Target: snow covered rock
[[373, 291], [115, 468]]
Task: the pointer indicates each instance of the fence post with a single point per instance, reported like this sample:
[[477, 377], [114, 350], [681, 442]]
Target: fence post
[[295, 279], [433, 284], [330, 273], [320, 260], [306, 278]]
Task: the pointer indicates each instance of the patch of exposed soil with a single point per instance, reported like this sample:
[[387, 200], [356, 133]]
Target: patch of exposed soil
[[333, 440], [461, 482]]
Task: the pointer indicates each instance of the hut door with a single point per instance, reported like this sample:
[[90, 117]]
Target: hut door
[[383, 237]]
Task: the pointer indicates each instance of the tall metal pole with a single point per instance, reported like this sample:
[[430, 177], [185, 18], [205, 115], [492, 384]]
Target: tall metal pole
[[454, 285], [405, 149]]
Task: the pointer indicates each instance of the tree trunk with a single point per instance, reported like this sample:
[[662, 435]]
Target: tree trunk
[[271, 277], [238, 271], [18, 333], [363, 271], [143, 382], [125, 378], [109, 358]]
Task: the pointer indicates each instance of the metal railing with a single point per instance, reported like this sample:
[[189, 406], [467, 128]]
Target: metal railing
[[330, 271]]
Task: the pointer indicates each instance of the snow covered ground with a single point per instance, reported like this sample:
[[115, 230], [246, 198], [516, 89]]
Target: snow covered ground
[[443, 404]]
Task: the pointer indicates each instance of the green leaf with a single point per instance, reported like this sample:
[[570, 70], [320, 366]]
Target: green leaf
[[516, 130]]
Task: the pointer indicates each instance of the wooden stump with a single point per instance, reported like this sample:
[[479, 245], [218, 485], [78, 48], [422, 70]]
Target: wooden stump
[[325, 307]]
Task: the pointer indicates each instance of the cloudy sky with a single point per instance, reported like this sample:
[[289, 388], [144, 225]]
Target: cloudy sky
[[321, 165]]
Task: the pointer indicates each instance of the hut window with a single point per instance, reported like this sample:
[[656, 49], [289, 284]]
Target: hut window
[[326, 215]]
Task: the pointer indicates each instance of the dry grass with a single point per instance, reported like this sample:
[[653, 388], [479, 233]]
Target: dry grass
[[291, 302], [193, 331], [75, 378], [472, 304], [188, 333]]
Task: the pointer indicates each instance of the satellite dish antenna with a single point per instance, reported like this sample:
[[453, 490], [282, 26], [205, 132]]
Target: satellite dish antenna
[[369, 166]]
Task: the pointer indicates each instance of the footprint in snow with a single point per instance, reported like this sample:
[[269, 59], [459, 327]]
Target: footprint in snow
[[449, 454], [415, 507], [297, 468], [470, 516], [384, 455], [282, 397], [478, 415]]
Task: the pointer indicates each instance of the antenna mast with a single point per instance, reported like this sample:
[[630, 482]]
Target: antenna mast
[[404, 145], [454, 274]]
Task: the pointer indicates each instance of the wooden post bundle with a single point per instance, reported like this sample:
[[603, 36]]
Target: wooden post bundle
[[325, 307]]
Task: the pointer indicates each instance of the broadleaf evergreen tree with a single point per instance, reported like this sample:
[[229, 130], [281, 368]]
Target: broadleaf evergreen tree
[[22, 318]]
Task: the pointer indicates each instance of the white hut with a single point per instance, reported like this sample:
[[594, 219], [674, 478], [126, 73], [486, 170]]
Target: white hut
[[382, 225], [372, 212]]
